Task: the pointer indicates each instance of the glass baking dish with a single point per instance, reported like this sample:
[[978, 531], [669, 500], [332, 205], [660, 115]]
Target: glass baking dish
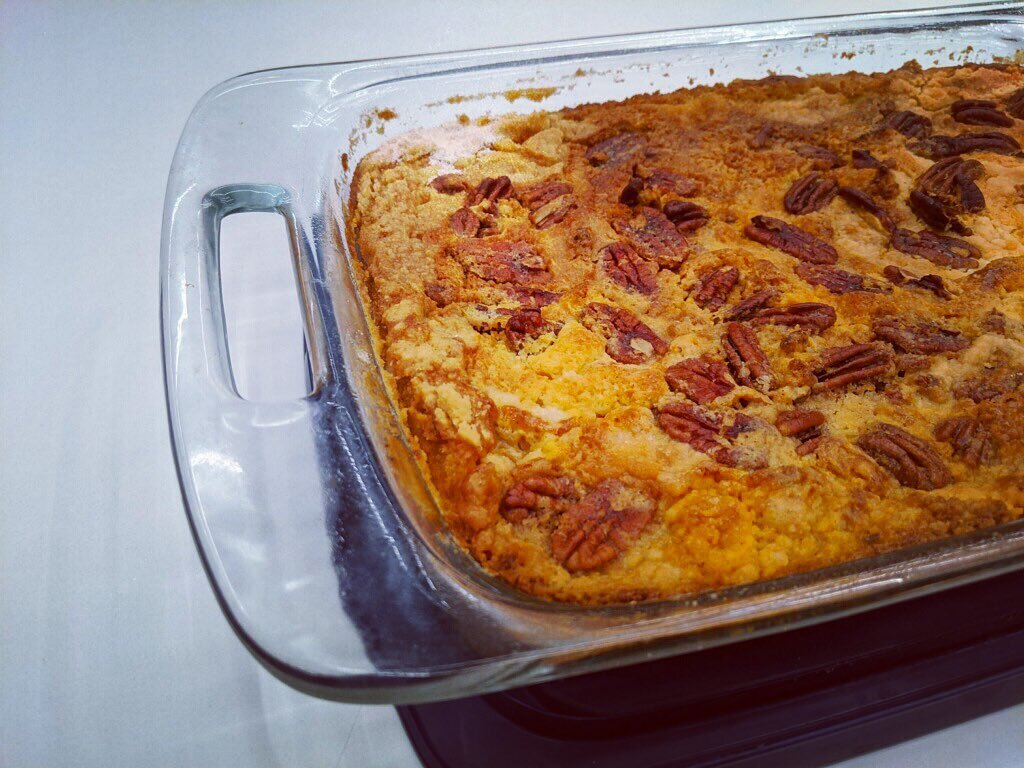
[[315, 527]]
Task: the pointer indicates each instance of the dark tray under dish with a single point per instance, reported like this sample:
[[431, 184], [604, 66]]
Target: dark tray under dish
[[808, 697]]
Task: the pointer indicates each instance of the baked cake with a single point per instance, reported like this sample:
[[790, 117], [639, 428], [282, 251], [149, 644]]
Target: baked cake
[[678, 342]]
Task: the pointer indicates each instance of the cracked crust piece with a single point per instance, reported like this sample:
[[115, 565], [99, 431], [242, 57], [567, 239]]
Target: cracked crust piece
[[691, 340]]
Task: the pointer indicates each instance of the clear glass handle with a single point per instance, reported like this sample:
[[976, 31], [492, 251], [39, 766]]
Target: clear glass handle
[[257, 530]]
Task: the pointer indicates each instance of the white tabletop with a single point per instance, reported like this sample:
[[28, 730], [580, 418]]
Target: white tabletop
[[113, 651]]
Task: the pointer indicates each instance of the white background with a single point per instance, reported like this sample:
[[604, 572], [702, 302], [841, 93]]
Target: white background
[[112, 649]]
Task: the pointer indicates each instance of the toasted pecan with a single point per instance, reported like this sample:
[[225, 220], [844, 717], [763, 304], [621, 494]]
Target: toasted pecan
[[747, 361], [812, 315], [592, 533], [810, 193], [491, 190], [1014, 103], [924, 338], [712, 290], [945, 190], [938, 249], [938, 146], [910, 124], [654, 237], [624, 265], [839, 367], [538, 195], [702, 379], [861, 199], [970, 439], [450, 183], [536, 495], [747, 308], [685, 215], [630, 341], [912, 461], [979, 112], [931, 283], [790, 239], [499, 261], [524, 325], [838, 281], [615, 150], [821, 158], [803, 425], [464, 223]]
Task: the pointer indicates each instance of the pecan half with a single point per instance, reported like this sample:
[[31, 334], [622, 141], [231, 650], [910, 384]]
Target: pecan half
[[979, 112], [908, 363], [488, 226], [1014, 103], [812, 315], [666, 183], [938, 146], [747, 361], [702, 379], [913, 462], [946, 189], [933, 213], [810, 193], [994, 321], [713, 288], [533, 298], [450, 183], [841, 366], [747, 308], [699, 429], [860, 199], [630, 194], [803, 425], [630, 341], [624, 265], [938, 249], [441, 294], [655, 239], [524, 325], [932, 283], [499, 261], [491, 190], [553, 212], [654, 187], [953, 177], [989, 385], [592, 533], [464, 223], [998, 275], [969, 438], [615, 150], [795, 422], [538, 195], [685, 215], [910, 124], [883, 184], [838, 281], [789, 239], [537, 495], [821, 158], [742, 424], [919, 338], [863, 158]]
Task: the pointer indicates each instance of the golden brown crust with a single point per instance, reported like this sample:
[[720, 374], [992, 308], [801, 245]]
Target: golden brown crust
[[691, 340]]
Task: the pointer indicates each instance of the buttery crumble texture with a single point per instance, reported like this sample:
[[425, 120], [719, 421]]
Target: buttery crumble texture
[[664, 345]]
